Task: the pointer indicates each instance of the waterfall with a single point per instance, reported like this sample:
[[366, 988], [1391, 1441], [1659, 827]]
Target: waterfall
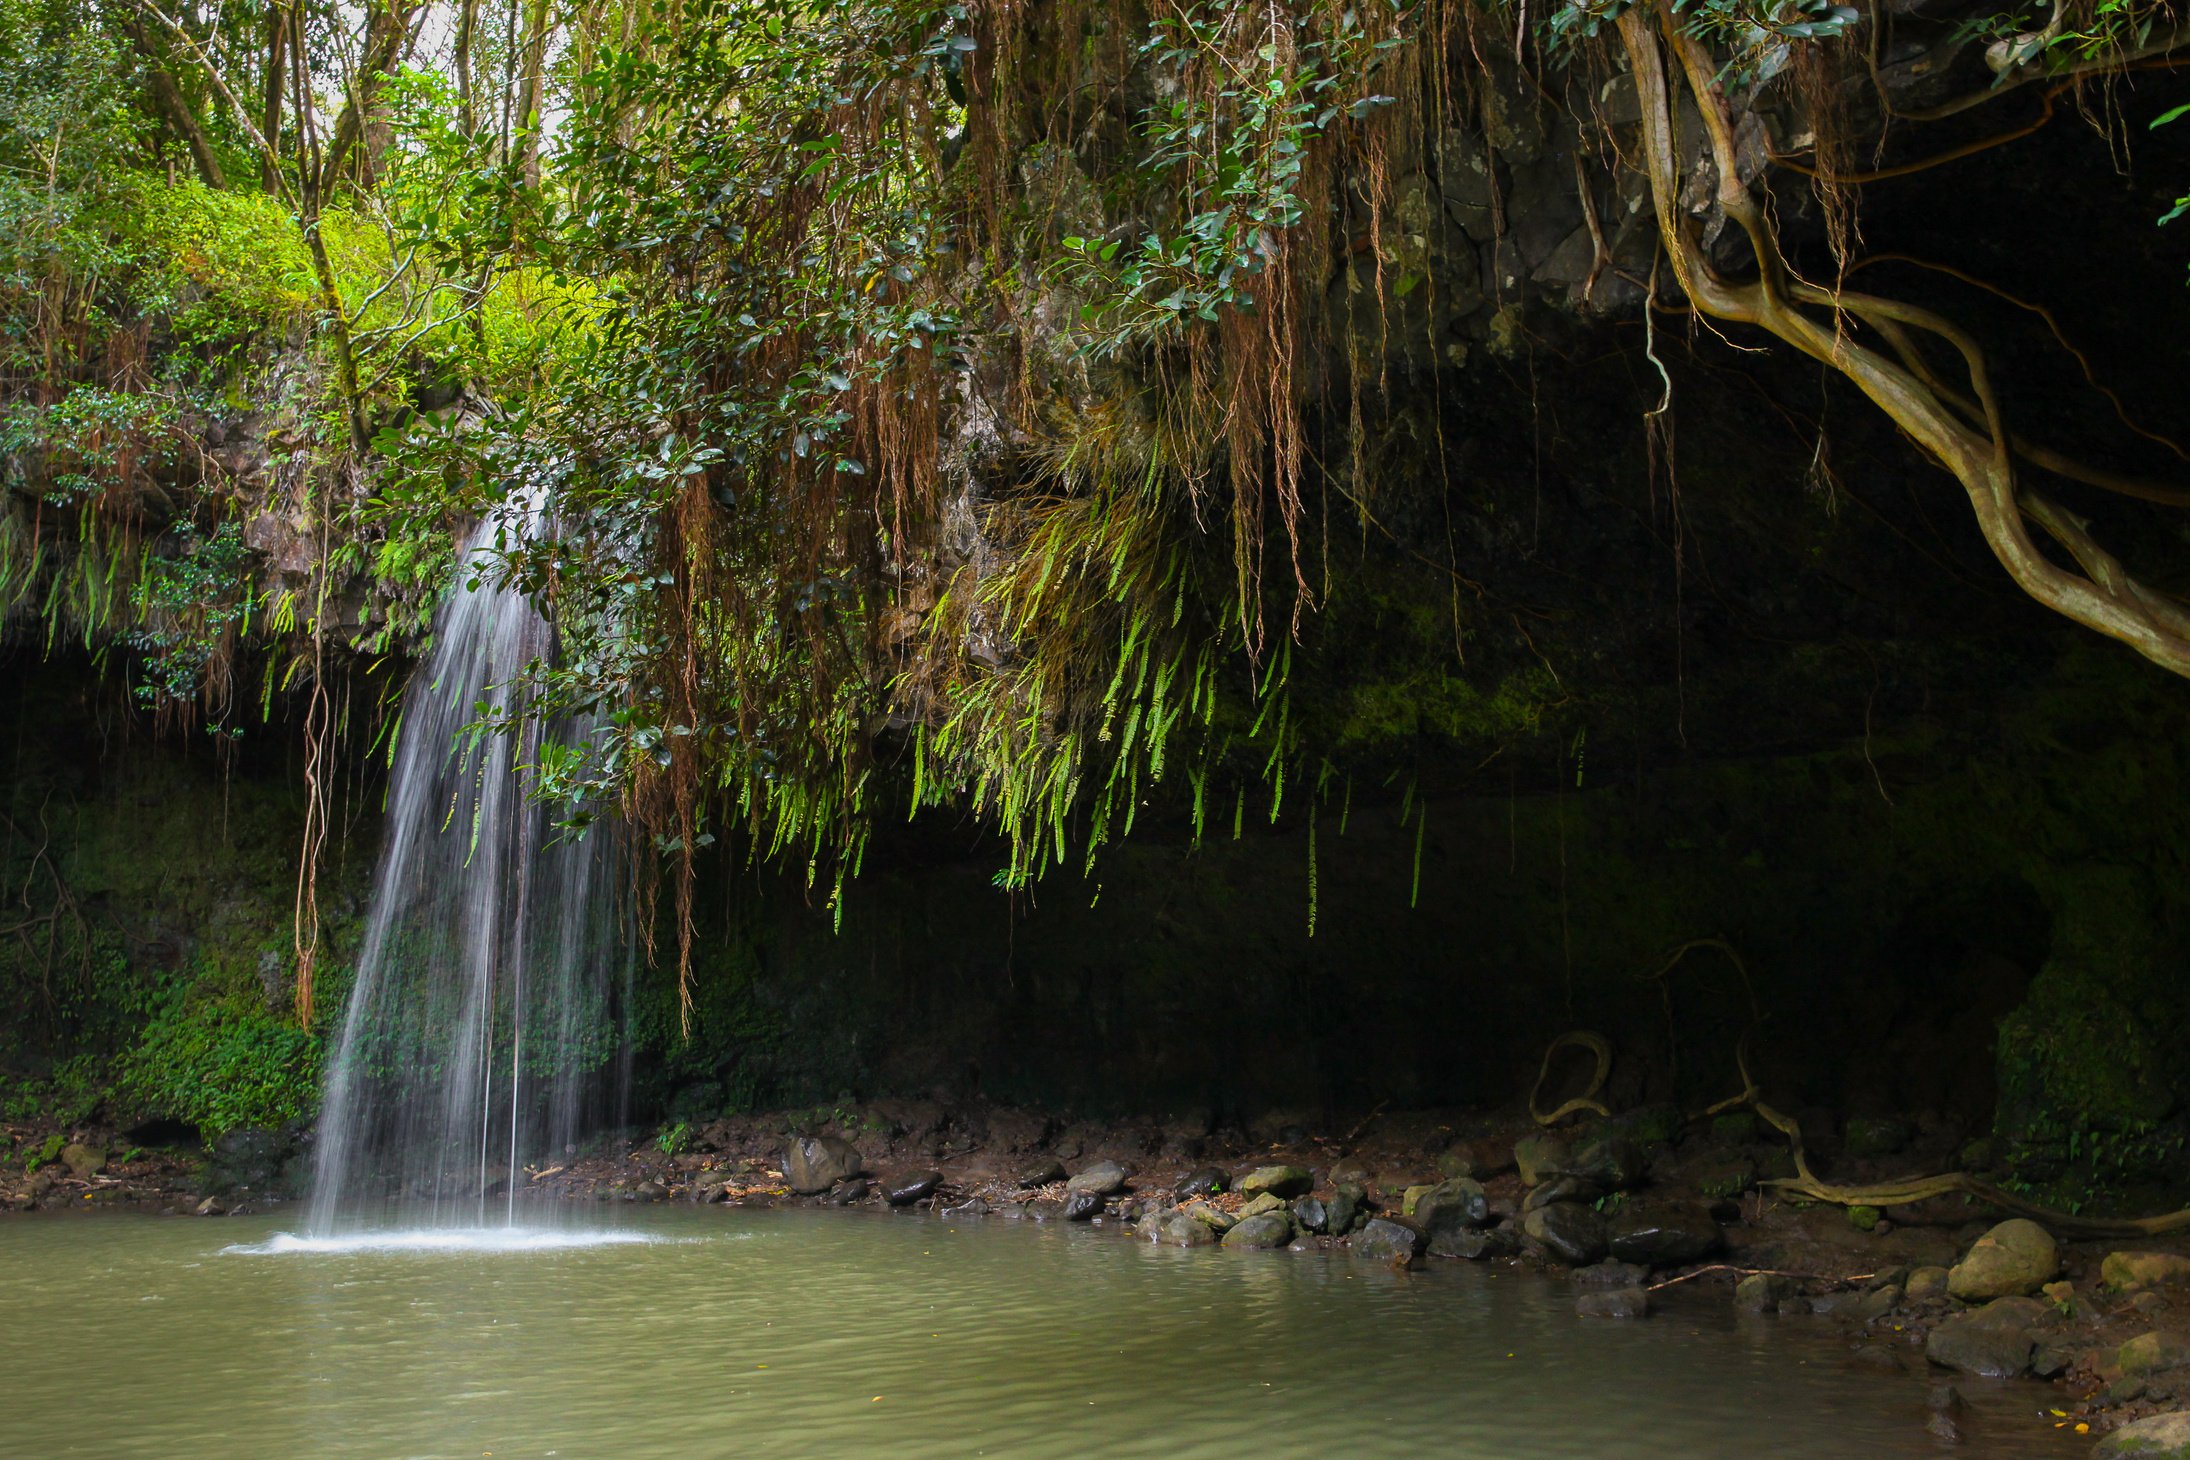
[[481, 1034]]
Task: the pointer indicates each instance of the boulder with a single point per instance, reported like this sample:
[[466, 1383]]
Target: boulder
[[1613, 1303], [1977, 1348], [1103, 1178], [905, 1189], [1310, 1214], [1473, 1243], [1612, 1162], [2013, 1259], [1207, 1181], [1571, 1233], [1342, 1209], [83, 1162], [813, 1164], [1042, 1173], [1762, 1292], [1459, 1202], [972, 1206], [854, 1190], [1261, 1204], [1562, 1188], [2162, 1437], [1217, 1219], [2145, 1270], [1994, 1342], [1084, 1206], [1664, 1234], [1537, 1157], [1609, 1275], [1388, 1239], [1180, 1230], [1278, 1181], [2154, 1353], [1265, 1229], [1926, 1284]]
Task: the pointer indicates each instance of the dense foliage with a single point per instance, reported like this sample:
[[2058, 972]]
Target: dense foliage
[[934, 405]]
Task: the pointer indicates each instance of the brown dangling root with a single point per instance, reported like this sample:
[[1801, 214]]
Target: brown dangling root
[[1598, 1046], [1804, 1185]]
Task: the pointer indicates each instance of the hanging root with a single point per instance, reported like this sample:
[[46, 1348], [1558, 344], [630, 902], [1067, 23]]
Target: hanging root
[[1904, 1191], [1805, 1184], [1598, 1046]]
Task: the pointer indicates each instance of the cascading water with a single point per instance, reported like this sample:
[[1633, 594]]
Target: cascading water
[[481, 1035]]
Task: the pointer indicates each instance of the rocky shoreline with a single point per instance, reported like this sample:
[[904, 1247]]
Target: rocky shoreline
[[1624, 1208]]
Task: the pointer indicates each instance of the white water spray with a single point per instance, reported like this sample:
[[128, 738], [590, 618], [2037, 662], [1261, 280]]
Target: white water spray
[[481, 1035]]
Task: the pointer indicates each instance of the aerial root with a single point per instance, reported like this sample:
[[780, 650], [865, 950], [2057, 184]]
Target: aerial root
[[1598, 1046]]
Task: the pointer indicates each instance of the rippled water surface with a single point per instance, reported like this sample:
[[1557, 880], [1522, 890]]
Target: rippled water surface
[[714, 1332]]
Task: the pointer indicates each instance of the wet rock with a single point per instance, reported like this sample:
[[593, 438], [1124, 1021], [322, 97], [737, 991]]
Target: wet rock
[[2162, 1437], [854, 1190], [2054, 1357], [1994, 1342], [1459, 1202], [1216, 1218], [1762, 1292], [1609, 1275], [1537, 1158], [1664, 1234], [649, 1190], [1041, 1173], [2151, 1353], [1103, 1178], [1264, 1229], [83, 1162], [1207, 1181], [2145, 1270], [1043, 1211], [1311, 1215], [972, 1206], [1084, 1206], [1342, 1209], [1260, 1206], [1573, 1234], [1412, 1195], [912, 1186], [813, 1164], [1878, 1302], [1926, 1284], [1947, 1411], [1278, 1181], [1614, 1303], [2013, 1259], [1562, 1188], [212, 1206], [1180, 1230], [1612, 1162], [1476, 1160], [1475, 1244], [1388, 1239]]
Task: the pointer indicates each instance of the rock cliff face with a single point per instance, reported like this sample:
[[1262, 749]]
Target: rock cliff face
[[1626, 634]]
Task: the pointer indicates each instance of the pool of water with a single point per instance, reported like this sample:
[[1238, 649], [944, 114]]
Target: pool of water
[[713, 1332]]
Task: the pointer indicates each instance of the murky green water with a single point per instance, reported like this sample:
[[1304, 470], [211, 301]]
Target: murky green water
[[824, 1333]]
